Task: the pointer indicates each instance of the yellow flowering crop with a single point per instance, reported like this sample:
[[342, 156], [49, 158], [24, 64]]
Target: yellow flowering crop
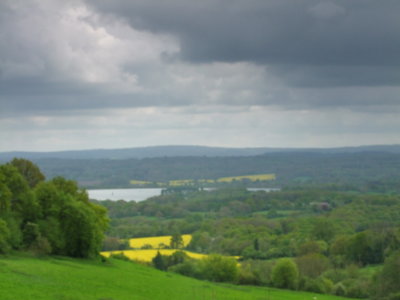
[[148, 255], [260, 177], [139, 182], [157, 241]]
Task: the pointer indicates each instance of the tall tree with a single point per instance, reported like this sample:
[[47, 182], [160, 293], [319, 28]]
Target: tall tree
[[387, 283], [159, 262], [29, 171], [176, 241]]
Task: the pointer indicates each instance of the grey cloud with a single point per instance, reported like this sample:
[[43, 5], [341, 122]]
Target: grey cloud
[[348, 36], [308, 54]]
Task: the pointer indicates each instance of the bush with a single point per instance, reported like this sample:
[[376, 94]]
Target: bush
[[358, 289], [146, 246], [339, 289], [285, 274], [219, 268], [312, 265], [187, 268], [41, 246], [311, 285], [247, 276]]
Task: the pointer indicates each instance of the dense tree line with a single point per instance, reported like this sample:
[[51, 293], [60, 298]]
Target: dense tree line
[[373, 171], [47, 217], [321, 239]]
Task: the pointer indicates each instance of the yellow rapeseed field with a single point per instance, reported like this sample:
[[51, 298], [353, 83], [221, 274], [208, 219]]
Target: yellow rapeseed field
[[189, 182], [157, 241], [256, 177], [139, 182], [181, 182], [148, 255]]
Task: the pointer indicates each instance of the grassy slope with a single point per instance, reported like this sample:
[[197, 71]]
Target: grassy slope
[[72, 279]]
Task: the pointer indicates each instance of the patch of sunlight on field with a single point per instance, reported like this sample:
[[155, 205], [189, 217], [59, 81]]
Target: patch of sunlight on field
[[190, 182], [157, 241], [139, 182], [148, 254], [260, 177], [180, 182]]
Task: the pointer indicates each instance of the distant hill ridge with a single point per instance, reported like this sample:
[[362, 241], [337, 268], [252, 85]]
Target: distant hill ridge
[[180, 151]]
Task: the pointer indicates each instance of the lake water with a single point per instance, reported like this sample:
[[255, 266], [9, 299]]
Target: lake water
[[124, 194], [139, 194]]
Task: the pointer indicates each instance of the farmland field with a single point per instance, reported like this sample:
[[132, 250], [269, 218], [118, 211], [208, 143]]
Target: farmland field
[[186, 182], [64, 278], [147, 255], [260, 177], [157, 241]]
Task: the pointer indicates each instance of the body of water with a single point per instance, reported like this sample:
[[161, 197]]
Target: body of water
[[140, 194], [124, 194]]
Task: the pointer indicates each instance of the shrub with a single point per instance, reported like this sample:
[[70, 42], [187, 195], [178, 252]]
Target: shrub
[[312, 265], [146, 246], [246, 275], [339, 289], [285, 274], [219, 268], [41, 246], [187, 268], [358, 288]]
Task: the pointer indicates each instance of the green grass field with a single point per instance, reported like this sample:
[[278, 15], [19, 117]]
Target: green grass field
[[73, 279]]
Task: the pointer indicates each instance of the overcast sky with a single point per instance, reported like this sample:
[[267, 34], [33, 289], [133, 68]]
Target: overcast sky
[[84, 74]]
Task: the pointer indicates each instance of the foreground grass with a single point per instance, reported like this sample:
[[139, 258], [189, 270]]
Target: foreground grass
[[73, 279]]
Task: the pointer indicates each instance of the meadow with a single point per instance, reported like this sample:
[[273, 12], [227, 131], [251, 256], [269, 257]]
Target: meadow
[[61, 278]]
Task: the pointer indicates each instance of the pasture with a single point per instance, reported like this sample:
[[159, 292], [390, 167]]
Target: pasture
[[61, 278]]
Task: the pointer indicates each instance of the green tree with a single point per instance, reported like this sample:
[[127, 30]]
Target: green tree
[[29, 171], [49, 198], [50, 227], [312, 265], [176, 241], [23, 201], [323, 229], [387, 282], [82, 229], [365, 248], [4, 236], [30, 234], [159, 261], [285, 274], [5, 198]]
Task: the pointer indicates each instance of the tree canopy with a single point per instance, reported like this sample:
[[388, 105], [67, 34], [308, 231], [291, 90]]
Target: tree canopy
[[53, 216]]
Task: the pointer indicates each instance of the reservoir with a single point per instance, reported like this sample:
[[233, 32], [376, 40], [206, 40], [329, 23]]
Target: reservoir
[[124, 194], [140, 194]]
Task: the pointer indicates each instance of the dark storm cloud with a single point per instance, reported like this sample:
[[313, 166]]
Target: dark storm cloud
[[36, 95], [324, 43]]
